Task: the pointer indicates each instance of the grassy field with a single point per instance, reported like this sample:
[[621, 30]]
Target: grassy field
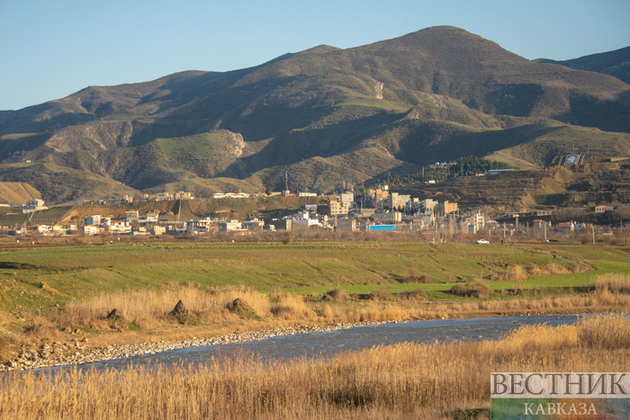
[[298, 267], [50, 289]]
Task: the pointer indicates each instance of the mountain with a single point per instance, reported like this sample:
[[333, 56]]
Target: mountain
[[327, 117], [614, 63]]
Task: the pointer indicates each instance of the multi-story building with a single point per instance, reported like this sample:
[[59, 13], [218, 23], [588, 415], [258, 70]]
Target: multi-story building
[[397, 201], [338, 208]]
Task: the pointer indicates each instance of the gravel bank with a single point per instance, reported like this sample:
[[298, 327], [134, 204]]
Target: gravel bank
[[57, 354]]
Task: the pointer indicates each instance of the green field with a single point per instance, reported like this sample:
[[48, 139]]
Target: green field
[[78, 272]]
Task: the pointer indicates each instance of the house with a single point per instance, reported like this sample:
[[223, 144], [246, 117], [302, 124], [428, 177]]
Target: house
[[120, 227], [448, 207], [540, 213], [347, 197], [339, 208], [306, 194], [282, 224], [152, 218], [305, 222], [380, 196], [58, 229], [388, 217], [164, 196], [89, 230], [93, 220], [428, 205], [396, 200], [347, 224], [254, 224], [539, 224], [35, 203], [43, 229], [475, 218], [132, 216], [228, 225], [182, 195], [125, 199], [566, 227], [603, 209]]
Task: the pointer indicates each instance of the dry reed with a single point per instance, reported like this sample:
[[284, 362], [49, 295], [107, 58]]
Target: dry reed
[[404, 381]]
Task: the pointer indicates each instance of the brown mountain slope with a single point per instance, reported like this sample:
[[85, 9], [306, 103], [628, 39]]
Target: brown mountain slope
[[614, 63], [325, 113]]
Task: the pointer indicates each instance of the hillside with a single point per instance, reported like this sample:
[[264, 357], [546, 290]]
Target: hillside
[[326, 116], [17, 193], [576, 187], [614, 63]]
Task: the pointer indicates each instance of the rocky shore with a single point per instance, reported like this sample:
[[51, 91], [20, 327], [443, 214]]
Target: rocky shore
[[59, 354]]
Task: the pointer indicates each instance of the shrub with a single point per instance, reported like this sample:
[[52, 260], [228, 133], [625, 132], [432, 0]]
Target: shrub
[[412, 294], [382, 294], [413, 276], [471, 289], [337, 294], [613, 283]]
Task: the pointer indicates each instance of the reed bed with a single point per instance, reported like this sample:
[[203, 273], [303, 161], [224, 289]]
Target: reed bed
[[517, 272], [147, 308], [150, 308], [404, 381]]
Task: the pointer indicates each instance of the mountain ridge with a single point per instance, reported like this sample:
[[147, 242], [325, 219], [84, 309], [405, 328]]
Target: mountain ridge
[[391, 106]]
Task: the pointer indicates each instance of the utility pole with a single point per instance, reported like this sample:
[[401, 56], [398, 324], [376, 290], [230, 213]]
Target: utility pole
[[593, 231], [545, 224]]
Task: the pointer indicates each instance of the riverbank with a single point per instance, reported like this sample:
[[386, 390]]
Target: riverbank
[[79, 354], [403, 381], [85, 350]]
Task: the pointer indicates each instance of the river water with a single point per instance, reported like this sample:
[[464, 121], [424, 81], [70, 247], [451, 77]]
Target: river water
[[329, 343]]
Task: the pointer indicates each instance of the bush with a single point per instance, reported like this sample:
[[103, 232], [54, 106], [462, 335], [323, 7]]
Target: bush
[[337, 294], [382, 294], [471, 289], [413, 276], [412, 294]]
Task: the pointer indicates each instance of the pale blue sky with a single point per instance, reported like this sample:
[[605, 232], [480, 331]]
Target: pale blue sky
[[51, 49]]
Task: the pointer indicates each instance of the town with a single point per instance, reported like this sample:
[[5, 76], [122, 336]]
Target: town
[[376, 210]]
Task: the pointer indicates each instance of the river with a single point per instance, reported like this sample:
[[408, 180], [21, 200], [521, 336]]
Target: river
[[353, 339]]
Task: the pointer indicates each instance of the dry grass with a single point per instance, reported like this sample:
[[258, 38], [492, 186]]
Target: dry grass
[[405, 381], [613, 283], [337, 294], [414, 276], [517, 272], [149, 308], [605, 332], [145, 313], [471, 289], [382, 294]]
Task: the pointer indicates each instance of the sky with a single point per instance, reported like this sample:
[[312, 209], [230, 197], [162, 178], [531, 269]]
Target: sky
[[51, 49]]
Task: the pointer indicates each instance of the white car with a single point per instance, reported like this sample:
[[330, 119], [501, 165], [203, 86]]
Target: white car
[[482, 241]]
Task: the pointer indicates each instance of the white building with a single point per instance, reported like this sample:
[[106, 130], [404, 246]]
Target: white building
[[93, 220], [90, 230], [35, 203]]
